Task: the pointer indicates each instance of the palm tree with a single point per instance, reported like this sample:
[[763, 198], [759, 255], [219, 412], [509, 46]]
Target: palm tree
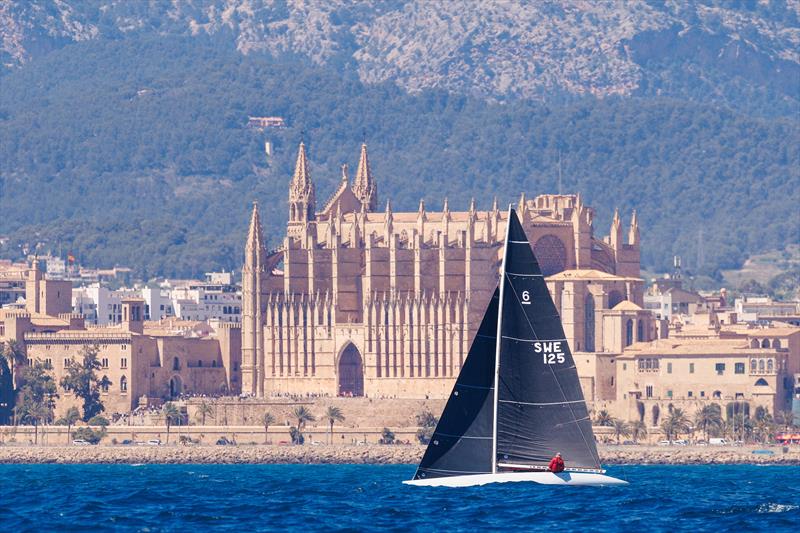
[[679, 421], [72, 416], [333, 414], [638, 430], [171, 415], [668, 428], [267, 419], [621, 428], [708, 418], [204, 410], [303, 415], [604, 419]]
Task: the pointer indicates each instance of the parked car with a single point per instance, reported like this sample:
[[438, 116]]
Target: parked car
[[81, 442], [223, 441], [718, 442], [154, 442], [680, 442], [664, 443]]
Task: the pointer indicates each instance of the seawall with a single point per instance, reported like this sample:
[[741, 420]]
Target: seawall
[[361, 454]]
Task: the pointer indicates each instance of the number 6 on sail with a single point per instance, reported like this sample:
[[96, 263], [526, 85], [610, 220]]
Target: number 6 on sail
[[517, 401]]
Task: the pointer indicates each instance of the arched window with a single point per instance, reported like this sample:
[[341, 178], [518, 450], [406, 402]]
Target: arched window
[[123, 384], [176, 363], [761, 365], [770, 366], [214, 363], [776, 343], [765, 343], [717, 394], [104, 386], [629, 332], [753, 365], [588, 323], [640, 330], [761, 382], [754, 343]]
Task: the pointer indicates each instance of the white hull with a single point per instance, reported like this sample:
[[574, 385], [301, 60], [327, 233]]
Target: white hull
[[543, 478]]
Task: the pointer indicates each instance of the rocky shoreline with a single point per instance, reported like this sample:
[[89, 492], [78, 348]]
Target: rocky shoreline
[[368, 454]]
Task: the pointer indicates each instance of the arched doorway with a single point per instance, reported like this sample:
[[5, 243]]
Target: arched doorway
[[175, 386], [351, 372]]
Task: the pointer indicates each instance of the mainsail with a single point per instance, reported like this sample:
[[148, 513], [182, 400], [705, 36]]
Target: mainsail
[[540, 409], [517, 400]]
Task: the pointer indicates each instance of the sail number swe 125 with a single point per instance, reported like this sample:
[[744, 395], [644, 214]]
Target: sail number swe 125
[[552, 351]]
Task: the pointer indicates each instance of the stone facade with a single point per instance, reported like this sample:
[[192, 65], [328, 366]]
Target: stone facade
[[358, 301], [153, 360]]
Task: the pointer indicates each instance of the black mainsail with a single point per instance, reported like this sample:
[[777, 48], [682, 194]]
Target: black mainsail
[[517, 400], [540, 404]]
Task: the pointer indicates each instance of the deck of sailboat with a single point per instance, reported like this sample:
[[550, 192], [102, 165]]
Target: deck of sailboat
[[542, 478]]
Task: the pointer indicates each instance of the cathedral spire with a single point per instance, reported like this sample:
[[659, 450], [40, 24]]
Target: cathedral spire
[[302, 198], [616, 232], [254, 246], [364, 187], [633, 232]]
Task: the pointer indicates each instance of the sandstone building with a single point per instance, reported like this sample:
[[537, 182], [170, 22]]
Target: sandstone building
[[144, 361], [360, 300]]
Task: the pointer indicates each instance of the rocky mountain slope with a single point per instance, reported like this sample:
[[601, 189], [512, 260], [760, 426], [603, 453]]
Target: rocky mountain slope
[[725, 51]]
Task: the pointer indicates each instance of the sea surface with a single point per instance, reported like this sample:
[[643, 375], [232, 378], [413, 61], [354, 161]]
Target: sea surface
[[246, 498]]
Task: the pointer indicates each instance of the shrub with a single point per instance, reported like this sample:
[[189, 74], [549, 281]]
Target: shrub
[[89, 435], [98, 420], [387, 436]]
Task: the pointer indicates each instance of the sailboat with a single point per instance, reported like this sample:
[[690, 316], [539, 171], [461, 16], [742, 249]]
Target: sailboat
[[517, 400]]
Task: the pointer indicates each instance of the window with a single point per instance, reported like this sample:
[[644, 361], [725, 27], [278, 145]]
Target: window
[[629, 333], [123, 384], [753, 366], [235, 366], [702, 394], [717, 394], [738, 368], [669, 368], [648, 391], [760, 365], [669, 394], [200, 363], [176, 364], [124, 346], [48, 363], [66, 363], [691, 368], [720, 368], [123, 363], [770, 366], [104, 387], [689, 394], [104, 362], [214, 363], [624, 366]]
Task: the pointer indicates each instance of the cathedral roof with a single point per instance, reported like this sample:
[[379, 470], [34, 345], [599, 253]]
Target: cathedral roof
[[587, 274]]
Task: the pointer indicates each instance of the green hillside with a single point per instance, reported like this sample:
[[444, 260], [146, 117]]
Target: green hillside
[[135, 152]]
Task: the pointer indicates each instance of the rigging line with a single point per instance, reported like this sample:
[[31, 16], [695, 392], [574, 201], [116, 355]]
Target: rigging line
[[596, 454]]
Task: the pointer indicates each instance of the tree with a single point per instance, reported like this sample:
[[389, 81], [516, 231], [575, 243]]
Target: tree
[[621, 428], [638, 430], [708, 418], [267, 419], [675, 424], [604, 419], [204, 410], [81, 379], [171, 416], [387, 436], [72, 415], [37, 395], [426, 422], [333, 414], [303, 415]]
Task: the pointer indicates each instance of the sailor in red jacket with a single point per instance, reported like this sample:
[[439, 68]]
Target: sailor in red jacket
[[557, 464]]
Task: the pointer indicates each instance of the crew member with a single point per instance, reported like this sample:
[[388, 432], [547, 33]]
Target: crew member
[[557, 464]]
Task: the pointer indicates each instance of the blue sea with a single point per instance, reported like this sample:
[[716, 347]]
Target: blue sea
[[245, 498]]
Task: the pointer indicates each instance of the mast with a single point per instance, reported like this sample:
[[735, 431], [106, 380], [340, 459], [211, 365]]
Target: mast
[[497, 344]]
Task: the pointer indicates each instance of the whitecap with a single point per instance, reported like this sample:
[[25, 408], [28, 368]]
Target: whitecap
[[776, 508]]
